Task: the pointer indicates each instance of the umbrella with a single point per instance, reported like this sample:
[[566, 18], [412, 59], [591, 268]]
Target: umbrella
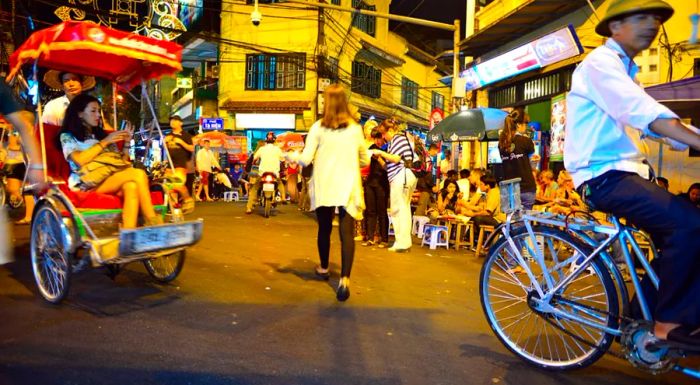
[[472, 124], [290, 140], [216, 138], [86, 48]]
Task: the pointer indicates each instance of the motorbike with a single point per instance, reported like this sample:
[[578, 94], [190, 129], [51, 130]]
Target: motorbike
[[268, 192]]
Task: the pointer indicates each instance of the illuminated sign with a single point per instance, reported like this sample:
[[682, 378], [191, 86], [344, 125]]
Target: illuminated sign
[[185, 83], [552, 48]]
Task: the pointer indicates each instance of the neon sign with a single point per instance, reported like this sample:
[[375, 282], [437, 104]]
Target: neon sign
[[552, 48]]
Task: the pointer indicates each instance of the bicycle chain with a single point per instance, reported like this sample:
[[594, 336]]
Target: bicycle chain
[[578, 338]]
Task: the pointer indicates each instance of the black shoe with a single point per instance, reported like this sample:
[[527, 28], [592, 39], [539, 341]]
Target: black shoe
[[343, 292], [321, 274]]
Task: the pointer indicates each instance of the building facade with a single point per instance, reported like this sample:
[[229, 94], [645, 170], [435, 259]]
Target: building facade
[[272, 75]]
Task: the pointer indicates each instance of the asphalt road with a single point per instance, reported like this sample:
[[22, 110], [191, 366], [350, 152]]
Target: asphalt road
[[247, 310]]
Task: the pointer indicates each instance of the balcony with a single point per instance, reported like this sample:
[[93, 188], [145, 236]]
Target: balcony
[[517, 18]]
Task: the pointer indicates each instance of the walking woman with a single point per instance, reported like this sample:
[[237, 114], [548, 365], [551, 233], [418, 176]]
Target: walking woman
[[515, 148], [402, 182], [336, 147]]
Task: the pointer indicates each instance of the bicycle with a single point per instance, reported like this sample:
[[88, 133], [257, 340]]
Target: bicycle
[[554, 296]]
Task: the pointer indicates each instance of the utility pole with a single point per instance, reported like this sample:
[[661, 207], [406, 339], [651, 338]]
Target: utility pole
[[455, 27]]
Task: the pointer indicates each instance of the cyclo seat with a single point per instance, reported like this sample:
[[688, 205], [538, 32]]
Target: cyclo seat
[[58, 169]]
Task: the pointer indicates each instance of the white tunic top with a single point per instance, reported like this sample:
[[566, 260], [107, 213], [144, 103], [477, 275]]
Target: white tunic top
[[337, 155]]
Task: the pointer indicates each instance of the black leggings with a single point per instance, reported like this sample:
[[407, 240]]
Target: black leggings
[[376, 201], [325, 226]]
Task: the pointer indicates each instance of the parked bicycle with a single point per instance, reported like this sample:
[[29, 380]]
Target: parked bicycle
[[554, 296]]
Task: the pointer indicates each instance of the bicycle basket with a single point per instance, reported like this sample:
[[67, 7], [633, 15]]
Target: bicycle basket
[[510, 195]]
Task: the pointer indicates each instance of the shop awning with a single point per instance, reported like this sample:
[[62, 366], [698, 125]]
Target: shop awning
[[681, 96], [285, 106], [522, 20]]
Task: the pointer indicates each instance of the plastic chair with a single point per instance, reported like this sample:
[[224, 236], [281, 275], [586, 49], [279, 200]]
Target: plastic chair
[[419, 223], [435, 236]]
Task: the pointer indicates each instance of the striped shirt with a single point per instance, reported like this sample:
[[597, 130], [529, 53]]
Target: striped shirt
[[399, 145]]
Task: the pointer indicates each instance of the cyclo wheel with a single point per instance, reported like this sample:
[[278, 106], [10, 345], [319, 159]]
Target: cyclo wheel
[[166, 268], [51, 262], [538, 337]]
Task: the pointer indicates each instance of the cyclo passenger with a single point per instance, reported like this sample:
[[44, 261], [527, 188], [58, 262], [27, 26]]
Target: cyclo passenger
[[270, 157], [607, 114], [97, 165]]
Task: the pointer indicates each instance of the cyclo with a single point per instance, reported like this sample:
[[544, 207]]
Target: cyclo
[[554, 293], [71, 230]]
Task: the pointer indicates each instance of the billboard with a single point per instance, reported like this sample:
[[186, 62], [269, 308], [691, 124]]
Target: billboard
[[549, 49]]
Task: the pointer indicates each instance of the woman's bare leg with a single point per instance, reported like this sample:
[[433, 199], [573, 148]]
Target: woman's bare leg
[[144, 193], [123, 181]]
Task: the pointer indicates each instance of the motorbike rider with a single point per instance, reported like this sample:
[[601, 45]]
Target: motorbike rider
[[270, 157]]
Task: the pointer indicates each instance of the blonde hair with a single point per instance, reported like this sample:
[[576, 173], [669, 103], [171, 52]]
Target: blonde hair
[[336, 113], [369, 126]]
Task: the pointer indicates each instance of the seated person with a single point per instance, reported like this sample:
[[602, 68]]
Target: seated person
[[488, 210], [85, 145], [14, 168], [449, 201], [693, 194], [567, 199], [547, 188], [425, 189]]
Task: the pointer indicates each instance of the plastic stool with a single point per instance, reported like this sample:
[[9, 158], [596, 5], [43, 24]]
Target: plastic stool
[[435, 236], [231, 196], [419, 223], [483, 229]]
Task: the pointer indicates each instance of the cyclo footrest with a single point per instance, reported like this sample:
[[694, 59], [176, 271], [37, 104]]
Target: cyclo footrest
[[151, 239]]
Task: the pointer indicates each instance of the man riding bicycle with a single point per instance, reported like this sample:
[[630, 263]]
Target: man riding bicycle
[[608, 113], [270, 157]]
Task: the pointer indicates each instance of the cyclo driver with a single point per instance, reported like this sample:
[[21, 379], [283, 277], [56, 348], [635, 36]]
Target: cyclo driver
[[270, 157], [608, 113]]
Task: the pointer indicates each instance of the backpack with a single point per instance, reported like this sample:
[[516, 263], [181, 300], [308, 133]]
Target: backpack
[[419, 155]]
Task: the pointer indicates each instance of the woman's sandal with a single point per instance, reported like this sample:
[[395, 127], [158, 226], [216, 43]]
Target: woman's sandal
[[188, 206], [325, 275], [23, 221]]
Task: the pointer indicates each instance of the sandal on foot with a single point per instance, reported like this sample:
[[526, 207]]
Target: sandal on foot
[[325, 275], [188, 206], [23, 221], [684, 338]]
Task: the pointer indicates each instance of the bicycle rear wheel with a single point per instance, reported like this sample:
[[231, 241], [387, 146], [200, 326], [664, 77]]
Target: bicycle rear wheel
[[533, 333]]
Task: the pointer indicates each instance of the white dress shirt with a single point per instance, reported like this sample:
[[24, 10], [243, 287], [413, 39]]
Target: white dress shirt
[[206, 160], [270, 157], [608, 115], [337, 155], [55, 110]]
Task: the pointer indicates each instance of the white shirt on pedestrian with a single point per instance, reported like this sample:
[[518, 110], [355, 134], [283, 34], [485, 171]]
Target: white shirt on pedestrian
[[270, 157], [54, 111], [206, 160], [608, 115], [337, 155]]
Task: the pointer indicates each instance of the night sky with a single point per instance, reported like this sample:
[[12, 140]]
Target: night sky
[[429, 39]]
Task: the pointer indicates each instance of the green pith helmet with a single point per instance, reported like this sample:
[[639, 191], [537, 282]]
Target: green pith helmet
[[622, 8]]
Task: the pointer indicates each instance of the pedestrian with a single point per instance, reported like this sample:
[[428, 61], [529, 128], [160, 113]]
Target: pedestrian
[[180, 147], [12, 110], [377, 195], [402, 182], [335, 145], [607, 115], [206, 161], [693, 194], [516, 148]]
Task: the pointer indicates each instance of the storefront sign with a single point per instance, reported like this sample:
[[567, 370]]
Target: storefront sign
[[266, 121], [185, 83], [211, 124], [549, 49], [557, 128]]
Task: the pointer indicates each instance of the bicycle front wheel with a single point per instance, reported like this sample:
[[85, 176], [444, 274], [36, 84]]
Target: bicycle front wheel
[[535, 333]]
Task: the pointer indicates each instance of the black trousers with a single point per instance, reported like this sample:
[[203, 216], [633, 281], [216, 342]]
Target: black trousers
[[376, 200], [674, 224], [483, 220], [324, 215]]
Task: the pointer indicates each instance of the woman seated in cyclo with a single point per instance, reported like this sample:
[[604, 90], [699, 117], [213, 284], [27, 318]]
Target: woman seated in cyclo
[[567, 199], [97, 165], [449, 201]]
